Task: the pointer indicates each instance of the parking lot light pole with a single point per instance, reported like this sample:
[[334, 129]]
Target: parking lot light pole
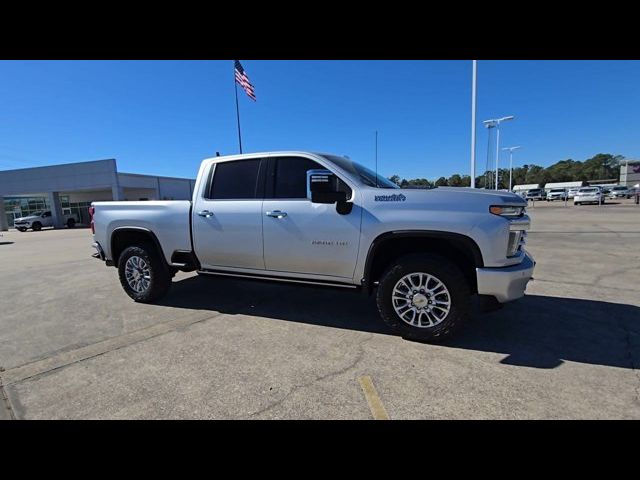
[[511, 149], [489, 126], [496, 123]]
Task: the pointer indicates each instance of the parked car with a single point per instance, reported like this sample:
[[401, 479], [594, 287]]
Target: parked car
[[589, 195], [557, 194], [620, 191], [537, 194], [327, 221], [572, 192], [41, 219]]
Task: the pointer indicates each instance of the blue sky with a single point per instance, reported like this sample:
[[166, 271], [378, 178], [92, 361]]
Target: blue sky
[[164, 117]]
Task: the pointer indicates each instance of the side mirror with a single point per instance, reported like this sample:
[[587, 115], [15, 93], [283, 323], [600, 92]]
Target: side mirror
[[322, 187]]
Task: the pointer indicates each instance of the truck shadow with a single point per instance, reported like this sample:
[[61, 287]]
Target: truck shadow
[[535, 331]]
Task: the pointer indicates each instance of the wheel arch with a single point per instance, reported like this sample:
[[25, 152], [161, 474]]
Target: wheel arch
[[462, 250], [123, 237]]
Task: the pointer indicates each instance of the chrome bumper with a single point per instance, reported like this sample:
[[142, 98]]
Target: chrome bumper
[[99, 253], [508, 283]]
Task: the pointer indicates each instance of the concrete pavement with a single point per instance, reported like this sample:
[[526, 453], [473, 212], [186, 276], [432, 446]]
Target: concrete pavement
[[73, 345]]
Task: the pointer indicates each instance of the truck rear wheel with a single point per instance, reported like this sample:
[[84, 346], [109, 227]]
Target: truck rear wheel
[[71, 223], [424, 297], [143, 273]]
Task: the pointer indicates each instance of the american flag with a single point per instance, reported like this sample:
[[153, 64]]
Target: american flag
[[243, 80]]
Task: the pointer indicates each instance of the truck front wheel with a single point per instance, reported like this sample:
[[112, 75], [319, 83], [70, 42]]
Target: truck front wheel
[[143, 273], [424, 297]]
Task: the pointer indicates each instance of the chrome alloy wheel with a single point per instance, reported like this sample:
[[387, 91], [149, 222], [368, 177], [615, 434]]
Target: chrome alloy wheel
[[421, 300], [138, 274]]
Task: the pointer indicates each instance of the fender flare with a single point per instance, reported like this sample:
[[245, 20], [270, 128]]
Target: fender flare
[[146, 231], [457, 239]]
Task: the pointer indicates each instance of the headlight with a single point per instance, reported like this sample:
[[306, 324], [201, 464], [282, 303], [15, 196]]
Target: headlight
[[506, 211]]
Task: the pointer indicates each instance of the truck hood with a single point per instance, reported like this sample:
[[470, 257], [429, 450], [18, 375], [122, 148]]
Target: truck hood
[[447, 198], [442, 199], [492, 195]]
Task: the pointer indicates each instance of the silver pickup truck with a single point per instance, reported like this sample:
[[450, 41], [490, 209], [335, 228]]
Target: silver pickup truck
[[326, 220]]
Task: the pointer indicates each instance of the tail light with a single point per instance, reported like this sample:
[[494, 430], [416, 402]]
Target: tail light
[[91, 212]]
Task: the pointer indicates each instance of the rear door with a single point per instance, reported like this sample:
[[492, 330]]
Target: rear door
[[305, 237], [227, 216]]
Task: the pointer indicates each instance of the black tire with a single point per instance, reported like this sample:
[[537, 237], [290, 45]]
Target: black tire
[[576, 203], [71, 223], [21, 229], [160, 281], [444, 270], [36, 226]]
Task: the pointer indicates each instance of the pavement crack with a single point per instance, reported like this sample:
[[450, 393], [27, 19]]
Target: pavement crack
[[4, 399], [71, 357], [353, 364]]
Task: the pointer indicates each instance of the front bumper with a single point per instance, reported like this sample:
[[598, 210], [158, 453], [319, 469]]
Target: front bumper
[[507, 283]]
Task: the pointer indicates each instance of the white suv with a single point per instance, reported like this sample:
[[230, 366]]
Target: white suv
[[556, 194]]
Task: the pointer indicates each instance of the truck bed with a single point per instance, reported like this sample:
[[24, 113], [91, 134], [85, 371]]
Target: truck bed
[[168, 220]]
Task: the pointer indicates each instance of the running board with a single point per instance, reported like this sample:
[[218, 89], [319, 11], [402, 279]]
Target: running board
[[277, 279]]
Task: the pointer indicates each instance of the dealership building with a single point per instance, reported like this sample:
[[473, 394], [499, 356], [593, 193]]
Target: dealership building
[[630, 173], [70, 188]]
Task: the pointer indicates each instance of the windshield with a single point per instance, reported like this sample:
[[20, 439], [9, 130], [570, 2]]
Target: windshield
[[557, 190], [36, 214], [365, 175], [619, 188], [588, 190]]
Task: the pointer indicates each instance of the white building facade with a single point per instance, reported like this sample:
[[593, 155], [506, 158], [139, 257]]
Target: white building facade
[[70, 189], [630, 173]]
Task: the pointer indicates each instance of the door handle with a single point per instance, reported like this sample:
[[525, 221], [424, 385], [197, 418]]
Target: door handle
[[205, 213], [276, 214]]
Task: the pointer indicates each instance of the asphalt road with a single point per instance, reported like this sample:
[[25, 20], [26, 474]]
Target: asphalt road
[[73, 345]]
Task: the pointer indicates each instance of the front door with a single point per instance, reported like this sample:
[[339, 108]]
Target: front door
[[304, 237], [227, 217]]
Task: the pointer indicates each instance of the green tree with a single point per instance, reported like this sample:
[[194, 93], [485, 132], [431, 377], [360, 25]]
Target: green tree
[[534, 174], [441, 182], [455, 180], [396, 179]]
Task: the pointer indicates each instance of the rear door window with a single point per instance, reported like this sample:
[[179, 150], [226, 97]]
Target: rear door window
[[235, 180]]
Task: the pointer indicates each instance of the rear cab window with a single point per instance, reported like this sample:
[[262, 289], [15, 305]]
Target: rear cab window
[[236, 180]]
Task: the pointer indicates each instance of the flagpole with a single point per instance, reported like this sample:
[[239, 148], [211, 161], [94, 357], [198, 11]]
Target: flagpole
[[376, 158], [235, 83]]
